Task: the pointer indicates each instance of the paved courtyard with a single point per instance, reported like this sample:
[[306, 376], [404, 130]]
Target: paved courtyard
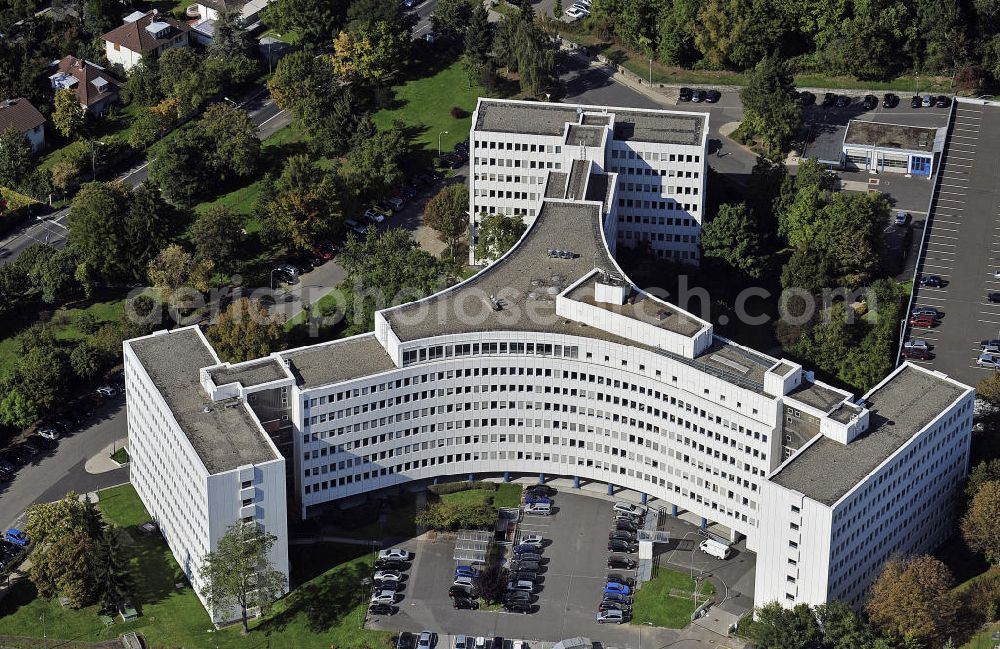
[[571, 584]]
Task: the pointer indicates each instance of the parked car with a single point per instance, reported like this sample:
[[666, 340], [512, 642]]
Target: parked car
[[576, 13], [524, 575], [927, 101], [622, 546], [466, 571], [618, 562], [7, 463], [611, 617], [107, 391], [425, 640], [617, 598], [805, 98], [49, 432], [829, 99], [459, 591], [533, 539], [843, 101], [618, 578], [581, 7], [626, 524], [383, 596], [869, 102], [529, 556], [461, 642], [608, 605], [538, 509], [518, 607], [993, 296], [389, 564], [988, 360], [890, 100], [684, 94], [373, 216], [920, 354], [532, 499], [628, 508], [942, 101], [541, 490], [516, 596], [622, 535], [524, 565], [465, 603], [932, 281], [902, 218], [381, 609], [924, 321], [933, 312], [522, 585], [919, 343], [989, 341], [19, 455], [394, 553], [463, 581], [480, 643], [698, 96], [15, 536], [712, 96], [388, 575], [915, 101], [406, 641], [526, 548]]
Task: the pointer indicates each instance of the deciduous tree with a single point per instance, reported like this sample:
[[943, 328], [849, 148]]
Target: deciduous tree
[[912, 597], [239, 573], [68, 115], [218, 235], [771, 113], [732, 237], [777, 627], [235, 147], [175, 268], [979, 525], [300, 76], [374, 163], [372, 53], [985, 471], [447, 213], [246, 330], [15, 158], [497, 234], [302, 206]]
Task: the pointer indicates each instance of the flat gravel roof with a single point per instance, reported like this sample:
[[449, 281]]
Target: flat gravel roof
[[334, 362], [250, 373], [223, 434], [890, 136], [818, 396], [826, 470]]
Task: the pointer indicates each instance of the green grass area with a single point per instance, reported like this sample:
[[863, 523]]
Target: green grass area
[[507, 495], [985, 639], [120, 456], [661, 601], [468, 497], [425, 105], [291, 37], [327, 608], [639, 65], [118, 124]]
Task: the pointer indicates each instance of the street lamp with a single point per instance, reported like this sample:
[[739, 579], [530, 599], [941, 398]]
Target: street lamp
[[93, 157], [651, 72], [273, 270], [235, 105], [439, 141]]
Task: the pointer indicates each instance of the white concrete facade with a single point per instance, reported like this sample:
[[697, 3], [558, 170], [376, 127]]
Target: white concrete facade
[[659, 194]]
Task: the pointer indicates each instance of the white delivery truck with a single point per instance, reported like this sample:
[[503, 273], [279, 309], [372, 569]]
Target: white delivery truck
[[716, 548]]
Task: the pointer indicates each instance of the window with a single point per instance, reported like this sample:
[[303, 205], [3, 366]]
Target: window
[[246, 484]]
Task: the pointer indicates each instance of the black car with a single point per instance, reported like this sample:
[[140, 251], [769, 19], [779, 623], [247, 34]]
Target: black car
[[540, 490], [993, 296], [516, 596], [626, 525], [406, 640], [698, 96], [933, 281], [30, 447], [618, 598], [618, 578], [915, 101], [685, 94], [843, 101], [806, 98], [618, 562], [43, 443], [459, 591], [381, 609], [889, 100], [942, 102], [829, 99], [526, 548], [530, 556], [19, 455], [622, 535], [7, 463], [622, 546], [524, 575], [497, 643], [712, 96], [464, 603], [869, 102], [6, 476], [517, 607], [607, 605], [533, 566]]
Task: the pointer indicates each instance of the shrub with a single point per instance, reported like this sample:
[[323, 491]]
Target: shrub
[[458, 113], [464, 485], [444, 516]]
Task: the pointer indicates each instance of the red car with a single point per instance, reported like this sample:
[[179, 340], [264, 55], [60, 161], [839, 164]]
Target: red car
[[323, 253], [918, 354], [922, 321]]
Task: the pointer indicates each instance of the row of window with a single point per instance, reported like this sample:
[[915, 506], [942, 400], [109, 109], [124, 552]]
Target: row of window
[[671, 221], [653, 156], [517, 146], [628, 235], [509, 163], [649, 171], [657, 205]]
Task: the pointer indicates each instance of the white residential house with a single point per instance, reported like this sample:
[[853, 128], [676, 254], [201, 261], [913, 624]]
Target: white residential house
[[21, 116], [147, 34], [96, 89]]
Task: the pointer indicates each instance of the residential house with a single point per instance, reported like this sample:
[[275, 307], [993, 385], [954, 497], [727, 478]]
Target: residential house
[[21, 116], [147, 34], [203, 32], [94, 87]]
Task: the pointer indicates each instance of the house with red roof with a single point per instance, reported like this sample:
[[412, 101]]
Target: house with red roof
[[147, 34]]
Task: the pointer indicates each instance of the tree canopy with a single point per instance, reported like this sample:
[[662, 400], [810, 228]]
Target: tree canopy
[[732, 237], [447, 212], [771, 112], [979, 525], [497, 234], [912, 597], [246, 330]]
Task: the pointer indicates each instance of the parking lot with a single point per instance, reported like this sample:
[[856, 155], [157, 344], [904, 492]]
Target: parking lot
[[963, 245], [571, 584]]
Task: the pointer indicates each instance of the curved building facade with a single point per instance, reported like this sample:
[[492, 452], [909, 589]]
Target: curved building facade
[[550, 361]]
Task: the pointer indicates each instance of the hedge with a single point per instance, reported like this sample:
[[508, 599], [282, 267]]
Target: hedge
[[464, 485], [17, 211]]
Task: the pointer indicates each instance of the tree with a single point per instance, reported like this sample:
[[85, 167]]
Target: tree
[[979, 525], [732, 237], [986, 471], [174, 268], [52, 274], [912, 597], [239, 573], [15, 158], [450, 19], [300, 76], [989, 390], [111, 571], [68, 115], [491, 584], [335, 122], [65, 175], [246, 330], [557, 9], [843, 628], [149, 223], [64, 534], [374, 162], [479, 63], [777, 627], [143, 86], [524, 47], [180, 168], [86, 361], [446, 213], [301, 207], [235, 147], [497, 234], [36, 382], [218, 236], [315, 20], [153, 122], [771, 113], [371, 53], [231, 38]]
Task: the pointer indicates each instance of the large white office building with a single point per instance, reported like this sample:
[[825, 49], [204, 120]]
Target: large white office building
[[522, 151], [550, 362]]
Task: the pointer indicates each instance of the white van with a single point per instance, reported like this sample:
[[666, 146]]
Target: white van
[[538, 509], [716, 549]]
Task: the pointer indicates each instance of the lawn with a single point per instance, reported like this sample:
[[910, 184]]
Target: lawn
[[661, 601], [328, 608], [425, 105], [506, 495], [118, 124], [988, 638]]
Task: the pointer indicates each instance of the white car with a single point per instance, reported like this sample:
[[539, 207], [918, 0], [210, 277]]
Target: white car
[[384, 597], [394, 553], [916, 343], [610, 617], [463, 581], [532, 539], [374, 216], [582, 7], [628, 508], [575, 13], [387, 575], [996, 273], [988, 360], [480, 643]]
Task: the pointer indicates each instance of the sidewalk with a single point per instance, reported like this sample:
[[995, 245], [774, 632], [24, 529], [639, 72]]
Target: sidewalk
[[102, 462]]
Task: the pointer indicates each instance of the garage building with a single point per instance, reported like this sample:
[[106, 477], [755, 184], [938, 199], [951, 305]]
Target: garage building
[[892, 148]]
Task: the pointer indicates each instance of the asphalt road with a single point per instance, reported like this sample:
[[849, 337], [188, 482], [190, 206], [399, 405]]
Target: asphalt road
[[51, 476], [963, 245]]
